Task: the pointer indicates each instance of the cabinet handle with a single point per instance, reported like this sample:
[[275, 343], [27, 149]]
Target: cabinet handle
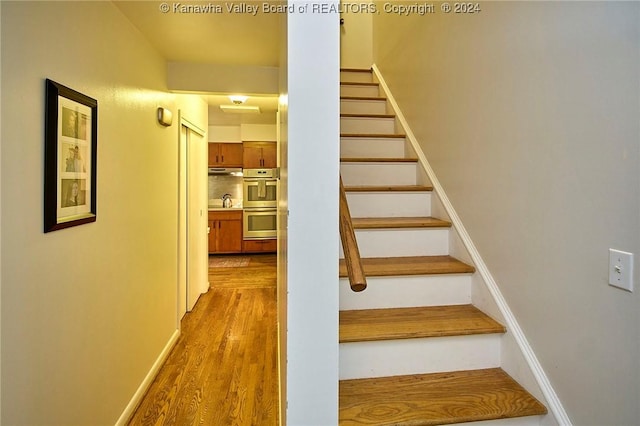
[[222, 159]]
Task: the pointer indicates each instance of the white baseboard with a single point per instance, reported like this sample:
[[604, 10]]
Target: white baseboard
[[553, 402], [144, 386]]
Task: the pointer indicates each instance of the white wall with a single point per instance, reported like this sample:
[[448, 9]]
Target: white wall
[[528, 112], [282, 130], [224, 134], [258, 132], [313, 170], [0, 226], [86, 310], [243, 132]]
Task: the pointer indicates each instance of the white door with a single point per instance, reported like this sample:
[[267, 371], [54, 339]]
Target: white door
[[192, 240]]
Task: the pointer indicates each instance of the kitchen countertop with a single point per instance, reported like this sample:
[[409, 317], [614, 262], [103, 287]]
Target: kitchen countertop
[[221, 209]]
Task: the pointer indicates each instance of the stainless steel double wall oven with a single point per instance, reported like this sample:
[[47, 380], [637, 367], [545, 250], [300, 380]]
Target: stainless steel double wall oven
[[260, 188]]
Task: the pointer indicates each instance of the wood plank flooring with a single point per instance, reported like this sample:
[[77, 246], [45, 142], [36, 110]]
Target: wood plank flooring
[[223, 369]]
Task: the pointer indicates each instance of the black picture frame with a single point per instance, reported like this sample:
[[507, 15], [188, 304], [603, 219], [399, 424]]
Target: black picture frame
[[70, 157]]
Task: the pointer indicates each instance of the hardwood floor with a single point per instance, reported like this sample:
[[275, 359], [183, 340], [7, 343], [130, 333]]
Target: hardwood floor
[[223, 369]]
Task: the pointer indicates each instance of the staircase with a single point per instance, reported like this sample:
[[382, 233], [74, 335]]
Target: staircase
[[413, 348]]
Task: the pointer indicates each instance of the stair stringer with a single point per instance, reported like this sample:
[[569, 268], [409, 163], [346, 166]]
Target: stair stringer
[[518, 358]]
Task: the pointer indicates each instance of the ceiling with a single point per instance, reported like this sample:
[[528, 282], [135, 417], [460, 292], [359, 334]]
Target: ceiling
[[207, 32], [225, 37]]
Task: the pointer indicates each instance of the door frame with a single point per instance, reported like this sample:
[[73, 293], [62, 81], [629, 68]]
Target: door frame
[[192, 220]]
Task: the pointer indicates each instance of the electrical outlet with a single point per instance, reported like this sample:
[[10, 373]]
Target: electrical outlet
[[621, 269]]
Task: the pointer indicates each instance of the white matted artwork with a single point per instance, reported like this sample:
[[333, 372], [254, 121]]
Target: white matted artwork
[[70, 158]]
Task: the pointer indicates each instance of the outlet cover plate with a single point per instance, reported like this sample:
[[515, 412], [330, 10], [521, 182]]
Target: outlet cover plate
[[621, 269]]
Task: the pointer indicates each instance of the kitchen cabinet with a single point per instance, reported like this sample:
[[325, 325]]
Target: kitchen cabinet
[[260, 246], [225, 231], [225, 155], [259, 155]]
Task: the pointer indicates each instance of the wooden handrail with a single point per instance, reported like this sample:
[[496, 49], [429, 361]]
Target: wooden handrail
[[352, 260]]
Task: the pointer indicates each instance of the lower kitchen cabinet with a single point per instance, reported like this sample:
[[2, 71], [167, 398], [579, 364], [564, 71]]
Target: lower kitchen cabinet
[[225, 231], [259, 246]]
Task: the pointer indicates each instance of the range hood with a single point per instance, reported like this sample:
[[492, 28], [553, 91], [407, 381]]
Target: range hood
[[228, 171]]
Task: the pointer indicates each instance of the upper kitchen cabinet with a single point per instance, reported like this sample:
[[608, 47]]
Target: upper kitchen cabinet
[[225, 155], [259, 155]]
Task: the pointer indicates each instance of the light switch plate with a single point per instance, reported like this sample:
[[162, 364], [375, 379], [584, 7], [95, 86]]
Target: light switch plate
[[621, 269]]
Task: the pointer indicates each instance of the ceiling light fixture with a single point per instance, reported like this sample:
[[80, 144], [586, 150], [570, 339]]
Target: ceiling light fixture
[[240, 108], [238, 99]]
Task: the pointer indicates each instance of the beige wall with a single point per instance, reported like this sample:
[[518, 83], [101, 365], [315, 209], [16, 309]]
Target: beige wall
[[86, 310], [528, 112], [217, 78], [356, 39]]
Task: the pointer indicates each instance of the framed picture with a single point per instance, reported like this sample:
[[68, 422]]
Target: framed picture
[[70, 156]]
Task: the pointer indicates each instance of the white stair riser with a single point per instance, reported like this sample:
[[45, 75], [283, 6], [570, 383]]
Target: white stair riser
[[403, 242], [378, 173], [352, 106], [389, 204], [352, 90], [418, 356], [517, 421], [371, 148], [385, 126], [407, 292], [360, 77]]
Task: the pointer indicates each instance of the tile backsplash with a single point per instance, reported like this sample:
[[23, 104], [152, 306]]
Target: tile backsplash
[[225, 184]]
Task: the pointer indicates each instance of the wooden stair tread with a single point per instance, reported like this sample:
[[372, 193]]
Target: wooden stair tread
[[373, 135], [362, 98], [393, 188], [378, 160], [398, 222], [410, 265], [366, 70], [434, 399], [358, 83], [410, 323], [367, 116]]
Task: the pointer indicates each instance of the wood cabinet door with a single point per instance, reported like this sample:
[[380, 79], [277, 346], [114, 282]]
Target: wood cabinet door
[[230, 154], [213, 232], [225, 235], [259, 155], [229, 236], [251, 155], [214, 155], [269, 159]]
